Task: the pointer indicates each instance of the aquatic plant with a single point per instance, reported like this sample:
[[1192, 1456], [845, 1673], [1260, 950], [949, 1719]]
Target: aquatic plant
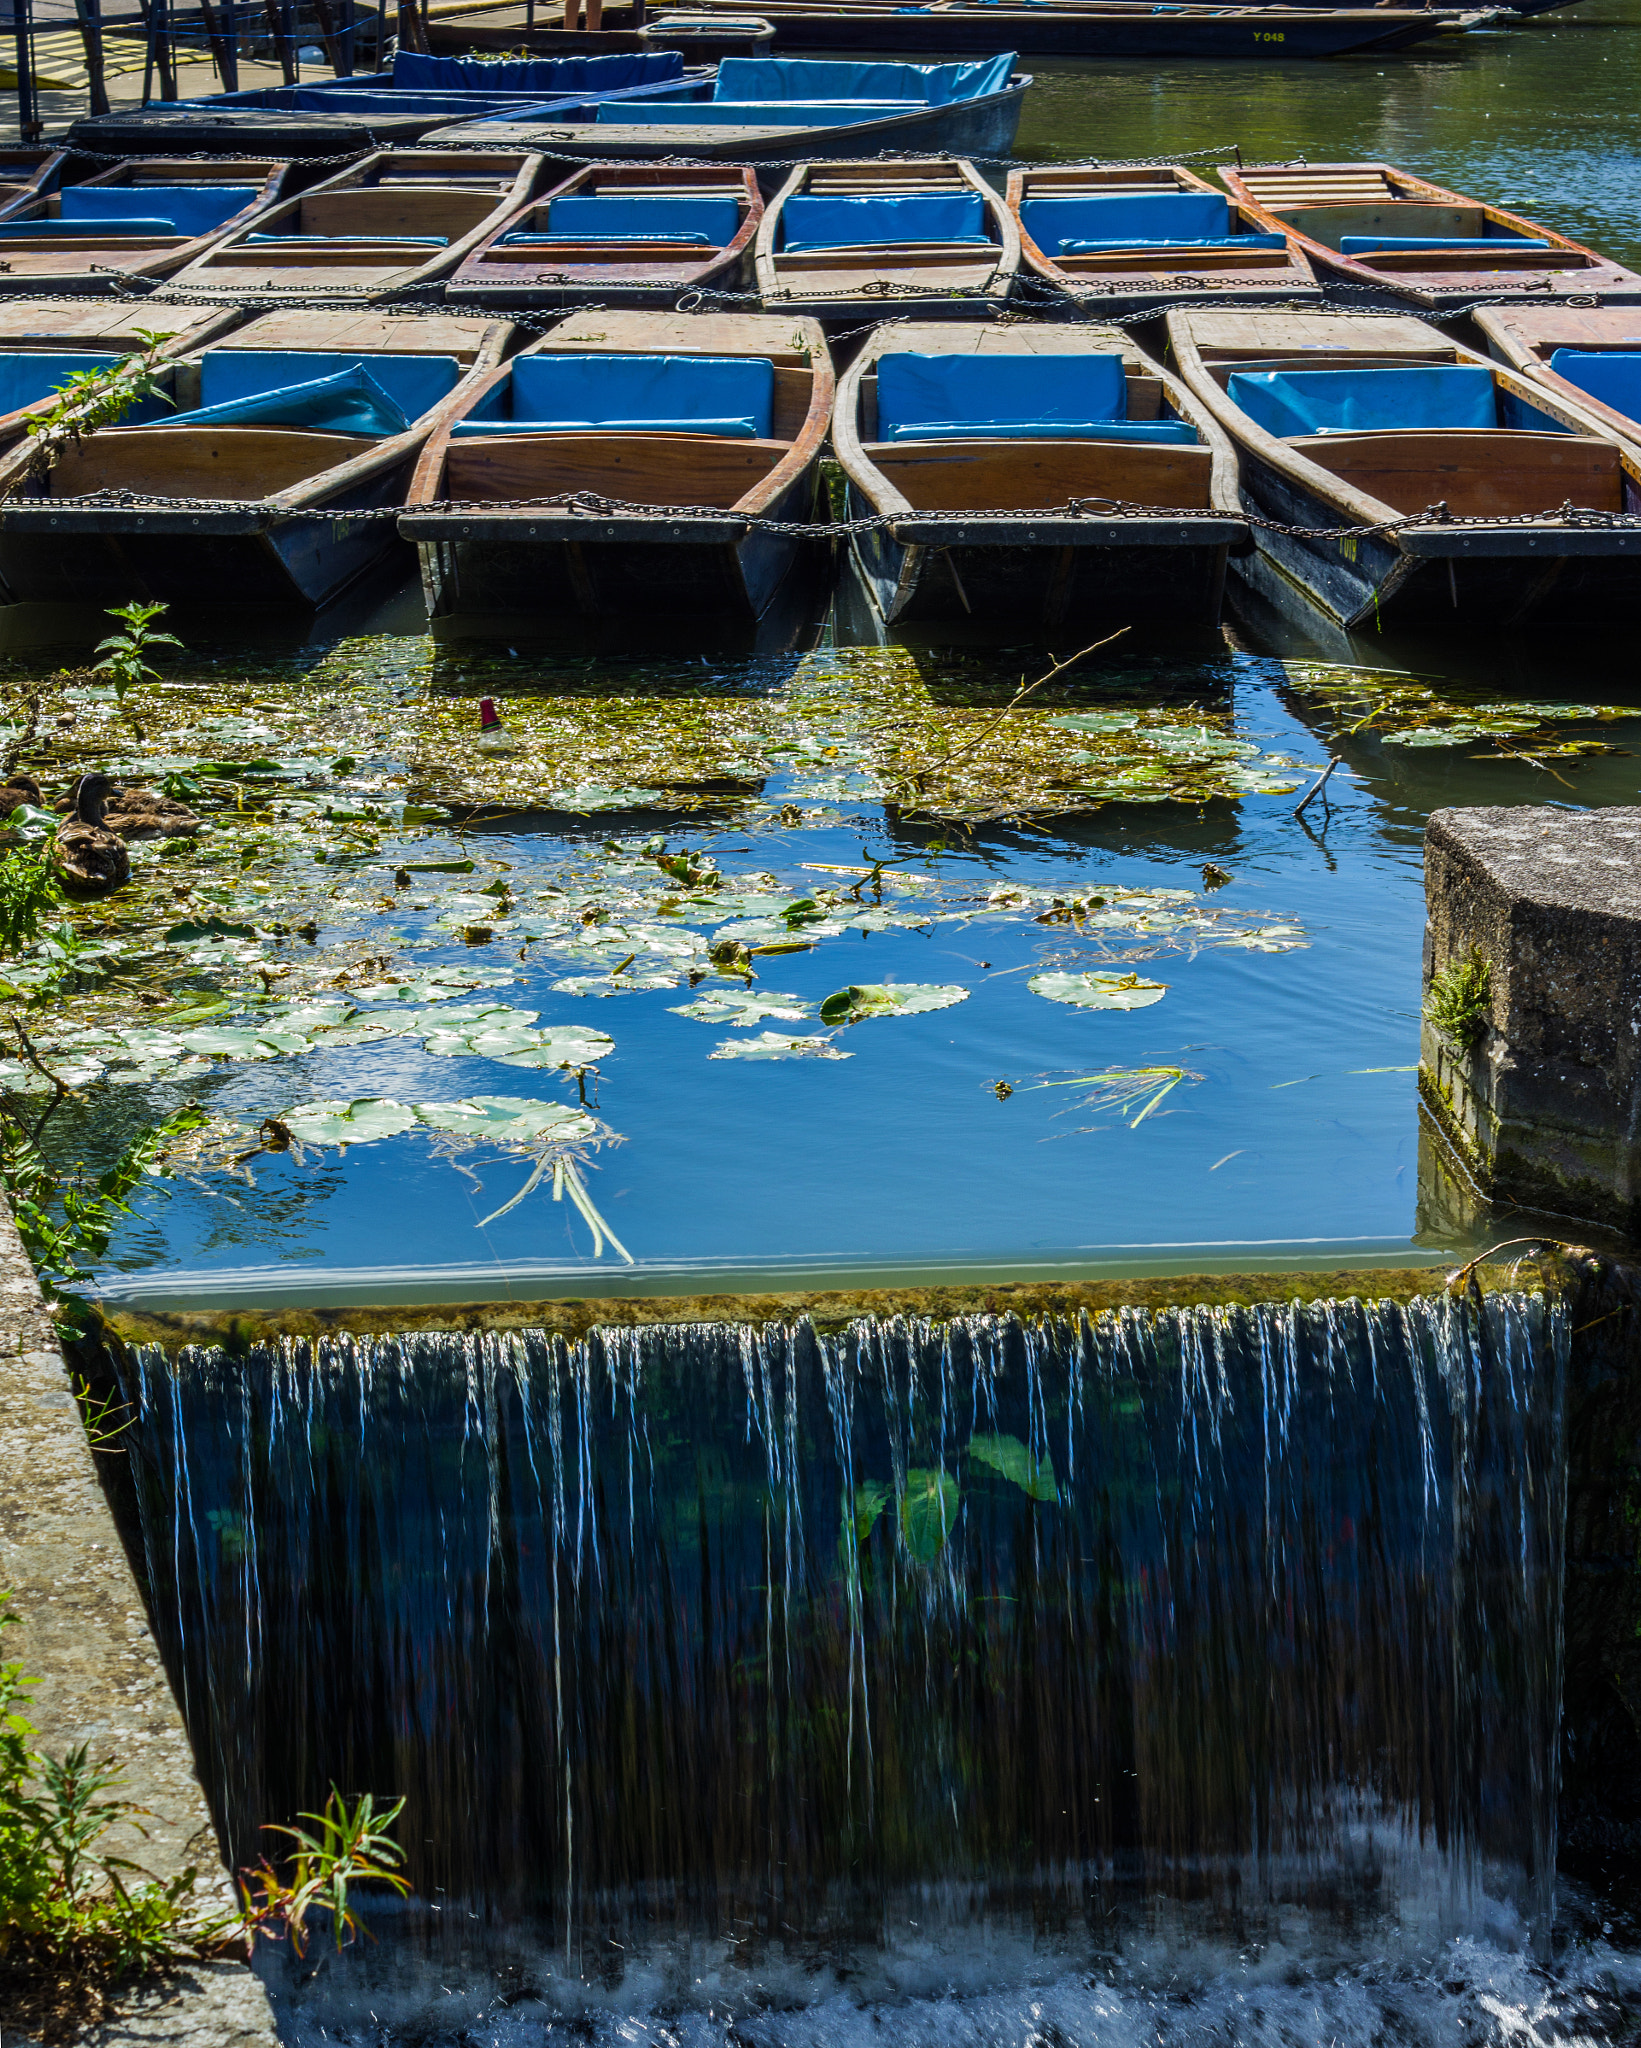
[[90, 399], [28, 893], [1404, 711], [353, 1847], [1460, 999], [125, 654]]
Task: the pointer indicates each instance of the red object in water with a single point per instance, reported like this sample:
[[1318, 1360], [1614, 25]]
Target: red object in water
[[488, 721]]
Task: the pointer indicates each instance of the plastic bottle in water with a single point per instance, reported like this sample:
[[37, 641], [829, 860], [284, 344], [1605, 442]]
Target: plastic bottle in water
[[494, 738]]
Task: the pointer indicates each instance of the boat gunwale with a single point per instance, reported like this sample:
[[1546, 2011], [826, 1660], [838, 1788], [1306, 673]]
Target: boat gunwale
[[520, 278], [1623, 427], [1414, 285], [803, 451], [992, 292]]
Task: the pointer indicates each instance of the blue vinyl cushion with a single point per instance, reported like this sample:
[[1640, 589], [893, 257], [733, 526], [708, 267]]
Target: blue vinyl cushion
[[348, 402], [1127, 216], [26, 378], [1379, 245], [998, 394], [192, 209], [591, 218], [415, 384], [1289, 402], [88, 230], [742, 113], [809, 78], [557, 393], [1613, 376], [1076, 248], [538, 238], [816, 223], [306, 241], [1179, 432], [537, 74]]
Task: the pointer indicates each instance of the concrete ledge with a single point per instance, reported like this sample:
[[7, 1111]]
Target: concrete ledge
[[1545, 1109], [85, 1637]]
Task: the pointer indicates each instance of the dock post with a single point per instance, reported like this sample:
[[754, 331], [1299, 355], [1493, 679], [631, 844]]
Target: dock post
[[230, 46], [89, 15], [281, 42], [28, 108]]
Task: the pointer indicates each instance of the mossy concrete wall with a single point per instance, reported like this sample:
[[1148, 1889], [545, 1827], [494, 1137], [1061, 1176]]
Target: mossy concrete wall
[[1544, 1108], [85, 1637]]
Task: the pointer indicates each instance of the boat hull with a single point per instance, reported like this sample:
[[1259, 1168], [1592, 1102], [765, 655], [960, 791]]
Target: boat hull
[[1029, 574], [1056, 32], [1460, 579], [551, 566]]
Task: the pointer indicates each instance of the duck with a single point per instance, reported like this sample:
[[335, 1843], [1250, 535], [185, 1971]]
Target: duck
[[136, 812], [88, 859], [21, 788]]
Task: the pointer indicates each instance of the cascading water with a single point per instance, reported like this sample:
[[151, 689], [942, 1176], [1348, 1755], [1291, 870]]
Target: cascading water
[[818, 1654]]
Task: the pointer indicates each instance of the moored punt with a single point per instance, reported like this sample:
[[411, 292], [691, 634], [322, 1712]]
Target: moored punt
[[842, 238], [718, 417], [1111, 28], [24, 172], [1589, 355], [274, 436], [625, 234], [1385, 229], [1346, 422], [43, 342], [953, 431], [1129, 238], [135, 223], [399, 219], [783, 110]]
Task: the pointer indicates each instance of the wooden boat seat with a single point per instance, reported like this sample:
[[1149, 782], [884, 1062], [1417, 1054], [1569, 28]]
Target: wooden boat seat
[[1479, 472], [649, 469], [201, 462], [1029, 476]]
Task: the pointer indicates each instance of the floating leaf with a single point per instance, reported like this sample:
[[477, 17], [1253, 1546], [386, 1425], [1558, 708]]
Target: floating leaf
[[509, 1119], [742, 1006], [207, 928], [612, 984], [1099, 991], [1006, 1454], [776, 1045], [895, 999], [928, 1513], [348, 1123]]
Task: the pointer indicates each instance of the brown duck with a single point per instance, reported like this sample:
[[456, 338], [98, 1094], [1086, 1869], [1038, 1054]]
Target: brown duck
[[88, 858], [135, 812]]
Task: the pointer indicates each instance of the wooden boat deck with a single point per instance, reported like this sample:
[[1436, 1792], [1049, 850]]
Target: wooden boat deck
[[628, 273], [360, 214], [1317, 205], [1135, 279], [847, 283], [90, 263]]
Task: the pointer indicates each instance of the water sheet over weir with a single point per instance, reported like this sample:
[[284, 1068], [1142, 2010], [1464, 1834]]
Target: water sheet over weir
[[784, 1641]]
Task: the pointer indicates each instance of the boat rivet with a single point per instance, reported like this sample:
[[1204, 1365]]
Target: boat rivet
[[532, 529]]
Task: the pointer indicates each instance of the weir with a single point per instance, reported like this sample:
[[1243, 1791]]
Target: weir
[[817, 1652]]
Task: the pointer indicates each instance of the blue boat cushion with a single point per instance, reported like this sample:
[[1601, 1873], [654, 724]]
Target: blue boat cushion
[[809, 78], [1613, 376], [588, 218], [1074, 248], [189, 209], [415, 73], [348, 402], [398, 241], [739, 113], [1172, 431], [414, 384], [733, 396], [1289, 402], [1070, 395], [26, 378], [88, 230], [812, 223], [1377, 245], [1127, 217]]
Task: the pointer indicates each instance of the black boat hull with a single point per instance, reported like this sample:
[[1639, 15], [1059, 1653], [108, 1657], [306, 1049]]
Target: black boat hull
[[1053, 32]]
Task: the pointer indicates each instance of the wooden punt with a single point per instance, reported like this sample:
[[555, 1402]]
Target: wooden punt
[[368, 229], [627, 267], [958, 253], [285, 532], [61, 336], [958, 551], [1087, 203], [24, 172], [1530, 338], [1471, 250], [564, 564], [71, 238], [1109, 28], [1522, 560]]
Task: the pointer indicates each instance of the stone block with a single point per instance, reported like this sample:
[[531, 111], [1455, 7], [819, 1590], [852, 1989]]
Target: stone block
[[1544, 1109]]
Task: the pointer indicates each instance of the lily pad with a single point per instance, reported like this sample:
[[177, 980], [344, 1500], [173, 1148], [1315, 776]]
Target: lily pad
[[777, 1045], [742, 1006], [1099, 991], [348, 1123], [510, 1119], [895, 999], [1032, 1473], [613, 984]]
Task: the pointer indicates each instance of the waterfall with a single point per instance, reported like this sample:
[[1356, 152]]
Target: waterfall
[[786, 1640]]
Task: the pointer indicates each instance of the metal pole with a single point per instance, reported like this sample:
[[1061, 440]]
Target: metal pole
[[344, 40], [28, 112], [91, 34], [160, 24], [230, 46]]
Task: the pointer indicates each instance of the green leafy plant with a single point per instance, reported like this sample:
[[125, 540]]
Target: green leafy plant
[[89, 399], [352, 1847], [1461, 998], [125, 655], [28, 892]]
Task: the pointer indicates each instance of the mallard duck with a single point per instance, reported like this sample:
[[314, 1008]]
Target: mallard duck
[[20, 789], [137, 813], [89, 859]]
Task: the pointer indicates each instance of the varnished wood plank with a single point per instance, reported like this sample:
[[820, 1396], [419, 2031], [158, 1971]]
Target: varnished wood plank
[[190, 462], [1481, 473], [649, 469], [1017, 476]]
